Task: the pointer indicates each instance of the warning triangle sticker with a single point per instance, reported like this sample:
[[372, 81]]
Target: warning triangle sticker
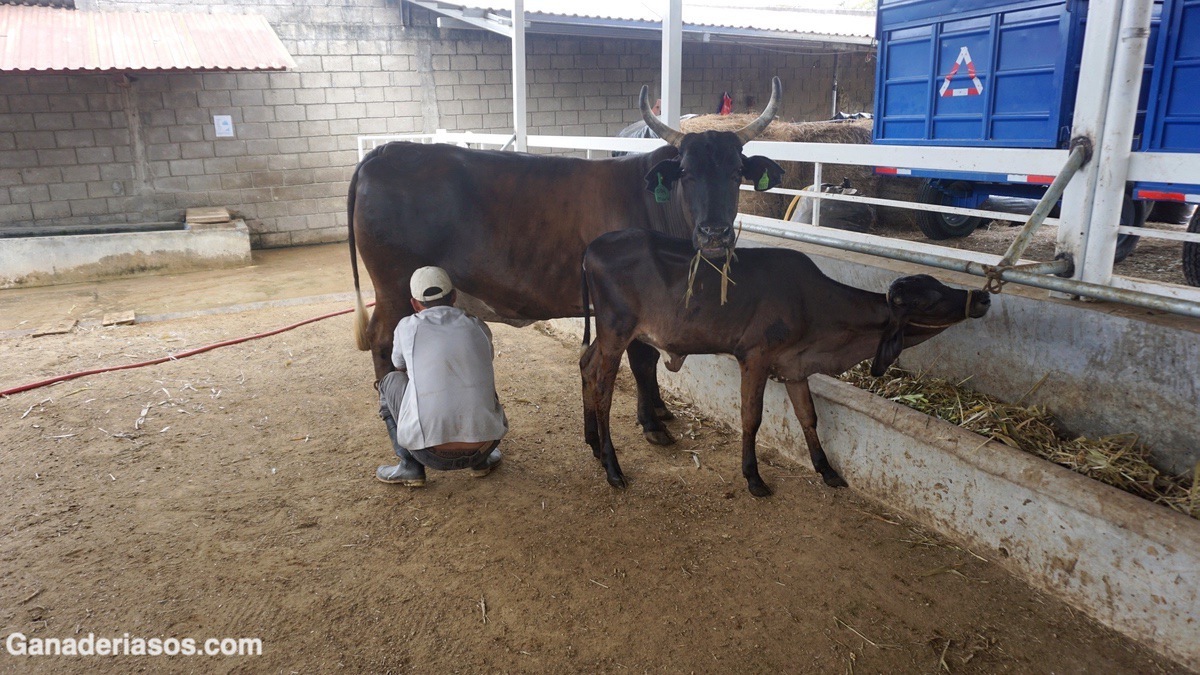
[[976, 88]]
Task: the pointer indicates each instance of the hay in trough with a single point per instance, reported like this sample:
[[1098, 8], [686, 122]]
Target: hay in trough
[[1118, 460], [800, 174]]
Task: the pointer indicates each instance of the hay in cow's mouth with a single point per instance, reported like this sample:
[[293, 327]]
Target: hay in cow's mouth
[[730, 256]]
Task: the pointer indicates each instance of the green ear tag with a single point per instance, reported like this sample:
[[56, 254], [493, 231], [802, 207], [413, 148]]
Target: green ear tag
[[661, 193], [764, 182]]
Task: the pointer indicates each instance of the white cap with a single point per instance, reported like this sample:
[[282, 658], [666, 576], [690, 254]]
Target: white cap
[[430, 283]]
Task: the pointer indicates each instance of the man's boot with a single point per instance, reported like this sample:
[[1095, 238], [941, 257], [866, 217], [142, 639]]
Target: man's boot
[[409, 472]]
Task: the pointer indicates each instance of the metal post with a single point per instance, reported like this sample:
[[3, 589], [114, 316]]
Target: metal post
[[816, 214], [835, 87], [1091, 103], [672, 67], [520, 93], [1115, 147]]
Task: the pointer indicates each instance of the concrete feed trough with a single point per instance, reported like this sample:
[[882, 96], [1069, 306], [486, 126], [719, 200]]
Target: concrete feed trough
[[69, 256]]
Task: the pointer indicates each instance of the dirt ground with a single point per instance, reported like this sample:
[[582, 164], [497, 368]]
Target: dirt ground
[[231, 494]]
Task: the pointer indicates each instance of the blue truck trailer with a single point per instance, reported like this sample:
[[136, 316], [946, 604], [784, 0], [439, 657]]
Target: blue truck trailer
[[1173, 113], [1004, 73]]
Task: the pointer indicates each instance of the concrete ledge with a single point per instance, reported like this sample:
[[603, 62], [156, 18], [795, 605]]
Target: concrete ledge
[[63, 259], [1128, 563]]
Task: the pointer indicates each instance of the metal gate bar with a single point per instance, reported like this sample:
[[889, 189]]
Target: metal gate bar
[[803, 233]]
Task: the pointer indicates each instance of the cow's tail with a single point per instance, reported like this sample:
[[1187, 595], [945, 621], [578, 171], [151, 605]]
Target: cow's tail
[[583, 288], [361, 339]]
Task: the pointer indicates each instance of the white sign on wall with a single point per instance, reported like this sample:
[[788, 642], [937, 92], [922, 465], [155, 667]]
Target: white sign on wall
[[224, 126]]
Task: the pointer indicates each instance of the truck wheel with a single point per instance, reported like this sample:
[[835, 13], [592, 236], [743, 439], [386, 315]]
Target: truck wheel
[[1191, 253], [943, 225], [1133, 214]]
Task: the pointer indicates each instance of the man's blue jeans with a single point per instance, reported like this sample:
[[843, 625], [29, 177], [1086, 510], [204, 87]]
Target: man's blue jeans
[[391, 393]]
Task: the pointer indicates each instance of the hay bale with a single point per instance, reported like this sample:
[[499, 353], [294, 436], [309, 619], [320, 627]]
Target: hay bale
[[800, 174]]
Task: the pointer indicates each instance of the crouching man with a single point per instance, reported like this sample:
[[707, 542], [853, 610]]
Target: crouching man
[[440, 404]]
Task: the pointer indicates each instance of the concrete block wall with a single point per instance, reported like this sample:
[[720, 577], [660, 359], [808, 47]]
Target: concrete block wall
[[65, 153], [95, 148]]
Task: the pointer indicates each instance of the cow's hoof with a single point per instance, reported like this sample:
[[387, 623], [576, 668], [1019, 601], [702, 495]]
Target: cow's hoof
[[832, 479], [664, 413], [659, 437], [759, 489], [618, 482]]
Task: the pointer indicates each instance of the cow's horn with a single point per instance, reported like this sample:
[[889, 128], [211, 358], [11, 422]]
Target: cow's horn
[[748, 132], [656, 125]]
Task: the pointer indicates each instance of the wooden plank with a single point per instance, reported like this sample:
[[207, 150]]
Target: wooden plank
[[119, 318], [56, 327], [207, 214]]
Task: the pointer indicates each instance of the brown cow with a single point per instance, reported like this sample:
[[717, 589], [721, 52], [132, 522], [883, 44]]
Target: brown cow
[[510, 228], [784, 319]]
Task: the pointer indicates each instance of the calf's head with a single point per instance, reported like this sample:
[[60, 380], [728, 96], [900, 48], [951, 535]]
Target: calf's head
[[922, 306], [707, 172]]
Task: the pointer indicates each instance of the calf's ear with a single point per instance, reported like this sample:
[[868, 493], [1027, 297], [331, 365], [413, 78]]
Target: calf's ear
[[662, 178], [762, 171], [891, 343]]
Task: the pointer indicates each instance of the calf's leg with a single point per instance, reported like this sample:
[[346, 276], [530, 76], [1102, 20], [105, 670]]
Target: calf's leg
[[643, 361], [754, 382], [600, 370], [591, 431], [802, 403]]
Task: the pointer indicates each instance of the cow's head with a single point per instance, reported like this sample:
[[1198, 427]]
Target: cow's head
[[922, 307], [708, 171]]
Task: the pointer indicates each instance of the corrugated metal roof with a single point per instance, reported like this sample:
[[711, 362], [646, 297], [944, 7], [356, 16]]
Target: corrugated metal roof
[[49, 39], [779, 16]]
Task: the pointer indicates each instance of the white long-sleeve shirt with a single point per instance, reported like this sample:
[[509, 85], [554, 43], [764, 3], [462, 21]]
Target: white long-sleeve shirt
[[451, 393]]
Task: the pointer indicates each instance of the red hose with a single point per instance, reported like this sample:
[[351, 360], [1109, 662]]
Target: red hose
[[173, 357]]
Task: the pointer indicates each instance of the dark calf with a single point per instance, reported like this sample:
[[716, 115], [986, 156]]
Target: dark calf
[[784, 319]]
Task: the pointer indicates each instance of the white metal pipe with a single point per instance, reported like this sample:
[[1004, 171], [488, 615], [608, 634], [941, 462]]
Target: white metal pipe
[[1174, 167], [835, 86], [816, 215], [1115, 147], [798, 232], [520, 92], [672, 63], [896, 203], [1091, 102], [1151, 233]]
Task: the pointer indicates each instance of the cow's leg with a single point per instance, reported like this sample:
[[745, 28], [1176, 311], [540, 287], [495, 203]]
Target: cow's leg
[[754, 383], [382, 328], [802, 403], [601, 370], [643, 361], [587, 373]]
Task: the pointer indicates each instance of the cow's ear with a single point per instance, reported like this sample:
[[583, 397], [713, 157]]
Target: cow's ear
[[762, 171], [891, 343], [662, 178]]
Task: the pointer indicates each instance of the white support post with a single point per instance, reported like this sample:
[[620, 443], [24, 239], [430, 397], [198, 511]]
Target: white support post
[[520, 119], [672, 68], [1100, 239], [816, 214], [1091, 104]]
